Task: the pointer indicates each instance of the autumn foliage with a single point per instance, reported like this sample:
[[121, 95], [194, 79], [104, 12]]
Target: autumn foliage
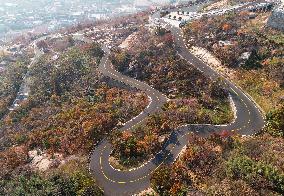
[[221, 165], [69, 110]]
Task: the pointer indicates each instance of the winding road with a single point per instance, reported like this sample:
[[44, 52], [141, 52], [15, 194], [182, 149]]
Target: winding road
[[248, 121]]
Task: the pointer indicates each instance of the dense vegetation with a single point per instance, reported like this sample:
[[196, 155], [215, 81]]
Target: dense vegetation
[[70, 179], [228, 164], [70, 108], [252, 50], [275, 122], [10, 82], [153, 59], [195, 98], [132, 147], [224, 165], [47, 140]]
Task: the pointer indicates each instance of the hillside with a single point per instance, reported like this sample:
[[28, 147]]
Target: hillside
[[226, 164], [137, 106]]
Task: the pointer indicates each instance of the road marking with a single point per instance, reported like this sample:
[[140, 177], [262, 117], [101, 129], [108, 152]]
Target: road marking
[[171, 149], [143, 177]]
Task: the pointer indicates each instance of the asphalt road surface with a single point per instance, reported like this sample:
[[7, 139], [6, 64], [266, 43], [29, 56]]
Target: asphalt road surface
[[248, 121]]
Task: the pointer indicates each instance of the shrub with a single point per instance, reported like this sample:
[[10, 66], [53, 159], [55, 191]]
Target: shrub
[[57, 184], [249, 170], [275, 122]]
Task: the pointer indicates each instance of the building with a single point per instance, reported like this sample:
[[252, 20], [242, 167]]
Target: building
[[276, 19]]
